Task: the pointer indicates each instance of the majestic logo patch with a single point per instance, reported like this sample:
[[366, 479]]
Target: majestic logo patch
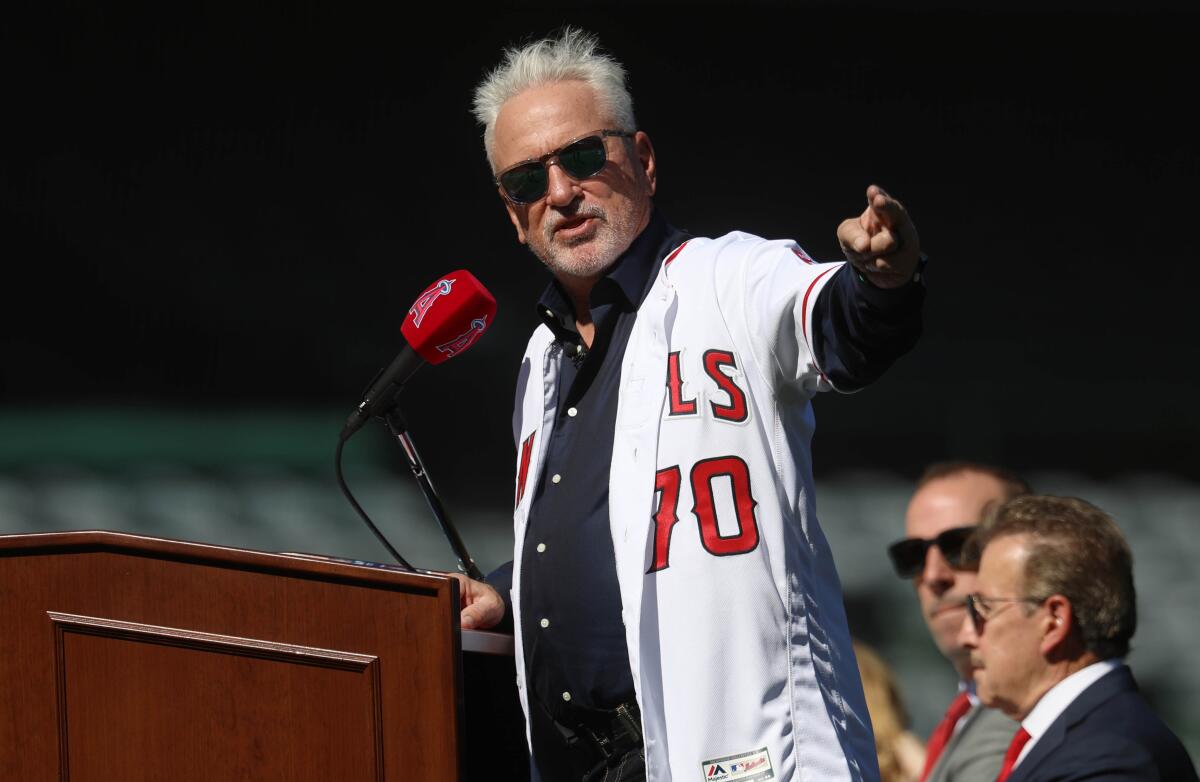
[[426, 300], [746, 767], [466, 339]]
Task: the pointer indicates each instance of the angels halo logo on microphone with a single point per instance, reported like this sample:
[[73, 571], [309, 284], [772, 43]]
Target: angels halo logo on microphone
[[421, 306], [466, 339]]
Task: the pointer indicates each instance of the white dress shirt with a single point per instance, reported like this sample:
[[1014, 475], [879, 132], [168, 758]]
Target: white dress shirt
[[1058, 698]]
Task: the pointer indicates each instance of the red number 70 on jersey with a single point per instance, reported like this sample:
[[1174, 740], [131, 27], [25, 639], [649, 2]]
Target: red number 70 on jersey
[[666, 486]]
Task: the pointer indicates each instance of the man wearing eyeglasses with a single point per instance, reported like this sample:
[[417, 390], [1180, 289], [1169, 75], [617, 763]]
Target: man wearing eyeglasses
[[950, 500], [1051, 619], [675, 603]]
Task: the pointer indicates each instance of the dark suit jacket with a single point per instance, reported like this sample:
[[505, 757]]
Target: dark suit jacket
[[1107, 734]]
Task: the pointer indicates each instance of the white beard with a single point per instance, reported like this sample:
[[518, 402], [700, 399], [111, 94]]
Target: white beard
[[589, 255]]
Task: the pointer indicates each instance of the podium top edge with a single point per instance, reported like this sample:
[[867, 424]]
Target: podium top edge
[[99, 541]]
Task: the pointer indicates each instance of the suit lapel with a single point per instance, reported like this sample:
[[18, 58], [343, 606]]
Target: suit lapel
[[1107, 686]]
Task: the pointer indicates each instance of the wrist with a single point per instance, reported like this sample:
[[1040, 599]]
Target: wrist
[[886, 279]]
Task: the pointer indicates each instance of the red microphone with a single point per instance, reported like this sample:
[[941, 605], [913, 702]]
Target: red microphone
[[446, 319], [449, 317]]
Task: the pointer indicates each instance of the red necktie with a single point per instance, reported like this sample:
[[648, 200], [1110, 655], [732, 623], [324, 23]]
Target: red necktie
[[944, 730], [1014, 751]]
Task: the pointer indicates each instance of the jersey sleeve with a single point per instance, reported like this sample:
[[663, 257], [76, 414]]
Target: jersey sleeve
[[824, 327], [781, 285]]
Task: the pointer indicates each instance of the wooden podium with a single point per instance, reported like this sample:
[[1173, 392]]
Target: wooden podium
[[133, 658]]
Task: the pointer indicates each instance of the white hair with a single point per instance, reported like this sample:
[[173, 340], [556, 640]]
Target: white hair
[[574, 55]]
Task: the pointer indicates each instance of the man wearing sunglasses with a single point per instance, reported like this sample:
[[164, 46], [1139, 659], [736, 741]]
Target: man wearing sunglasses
[[674, 601], [950, 500], [1051, 619]]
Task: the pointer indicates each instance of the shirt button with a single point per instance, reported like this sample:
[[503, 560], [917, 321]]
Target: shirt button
[[566, 696], [541, 547], [572, 412], [545, 623], [556, 478]]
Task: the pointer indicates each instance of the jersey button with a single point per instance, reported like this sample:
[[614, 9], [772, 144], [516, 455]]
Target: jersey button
[[566, 696], [555, 478], [545, 622], [571, 411], [541, 548]]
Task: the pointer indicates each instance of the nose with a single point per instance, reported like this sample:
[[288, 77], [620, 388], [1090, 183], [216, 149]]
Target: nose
[[561, 189], [967, 637], [937, 573]]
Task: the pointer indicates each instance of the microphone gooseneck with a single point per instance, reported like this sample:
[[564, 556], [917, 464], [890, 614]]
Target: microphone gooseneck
[[444, 321]]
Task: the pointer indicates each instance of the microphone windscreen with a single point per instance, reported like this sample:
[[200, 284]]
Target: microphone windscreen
[[449, 317]]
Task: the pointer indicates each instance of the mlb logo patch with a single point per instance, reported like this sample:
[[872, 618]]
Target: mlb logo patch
[[746, 767]]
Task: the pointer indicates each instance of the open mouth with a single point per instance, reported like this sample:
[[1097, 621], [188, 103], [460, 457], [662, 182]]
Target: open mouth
[[574, 225]]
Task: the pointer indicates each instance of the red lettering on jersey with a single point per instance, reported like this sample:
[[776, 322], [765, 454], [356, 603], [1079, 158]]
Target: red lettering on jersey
[[679, 405], [666, 485], [736, 410], [523, 469], [738, 473]]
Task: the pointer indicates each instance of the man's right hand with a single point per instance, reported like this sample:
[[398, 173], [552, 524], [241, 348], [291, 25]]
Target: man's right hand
[[882, 242], [482, 606]]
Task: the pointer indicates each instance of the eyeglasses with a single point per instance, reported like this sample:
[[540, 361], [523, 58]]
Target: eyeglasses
[[908, 555], [980, 608], [579, 158]]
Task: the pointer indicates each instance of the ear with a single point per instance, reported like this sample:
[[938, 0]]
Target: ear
[[513, 216], [645, 155], [1057, 623]]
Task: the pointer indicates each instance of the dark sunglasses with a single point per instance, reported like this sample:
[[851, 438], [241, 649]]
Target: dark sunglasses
[[908, 555], [980, 608], [580, 158]]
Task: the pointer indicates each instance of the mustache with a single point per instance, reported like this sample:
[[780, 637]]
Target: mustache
[[573, 211]]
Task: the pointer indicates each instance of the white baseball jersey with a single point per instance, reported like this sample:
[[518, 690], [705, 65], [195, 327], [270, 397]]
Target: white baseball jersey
[[733, 611]]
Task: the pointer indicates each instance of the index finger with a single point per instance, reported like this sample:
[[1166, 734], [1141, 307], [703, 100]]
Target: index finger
[[886, 209]]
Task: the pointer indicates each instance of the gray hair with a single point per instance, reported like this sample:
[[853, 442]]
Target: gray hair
[[572, 55]]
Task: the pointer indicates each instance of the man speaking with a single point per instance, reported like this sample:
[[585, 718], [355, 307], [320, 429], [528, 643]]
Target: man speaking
[[675, 603]]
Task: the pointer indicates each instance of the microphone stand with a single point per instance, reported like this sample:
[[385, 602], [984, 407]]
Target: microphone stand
[[398, 428]]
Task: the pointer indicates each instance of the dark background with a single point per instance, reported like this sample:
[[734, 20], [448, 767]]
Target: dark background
[[213, 219], [210, 209]]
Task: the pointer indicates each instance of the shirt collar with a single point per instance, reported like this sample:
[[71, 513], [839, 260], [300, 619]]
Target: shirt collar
[[626, 282], [1059, 697], [969, 688]]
